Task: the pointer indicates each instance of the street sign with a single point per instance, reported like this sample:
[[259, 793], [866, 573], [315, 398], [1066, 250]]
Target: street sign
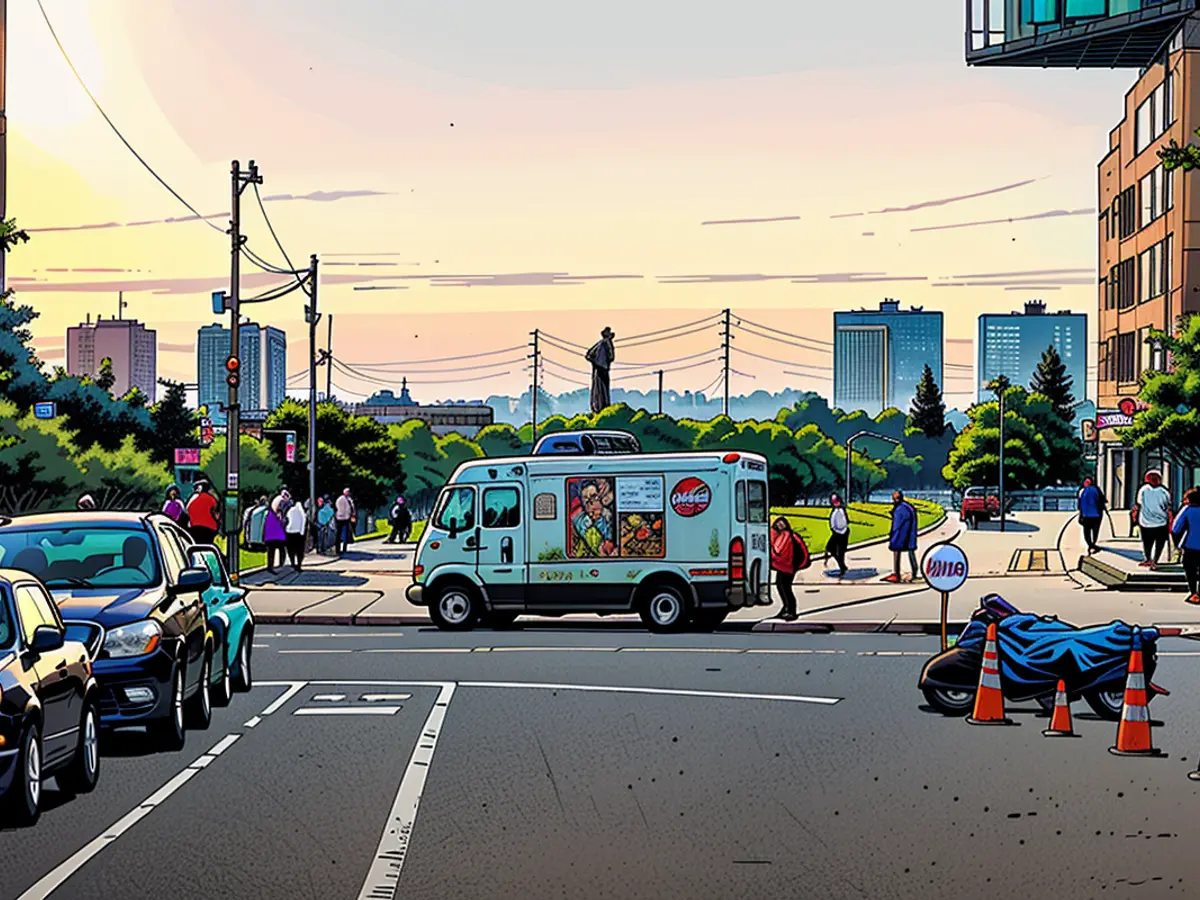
[[945, 568], [232, 481], [218, 302], [1113, 419], [1089, 430], [187, 456], [290, 447], [45, 410]]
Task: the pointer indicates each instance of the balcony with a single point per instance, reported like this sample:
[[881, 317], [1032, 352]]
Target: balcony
[[1079, 34]]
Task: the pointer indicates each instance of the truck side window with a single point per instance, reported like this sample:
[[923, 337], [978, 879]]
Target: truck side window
[[501, 508], [457, 504], [757, 502], [740, 502]]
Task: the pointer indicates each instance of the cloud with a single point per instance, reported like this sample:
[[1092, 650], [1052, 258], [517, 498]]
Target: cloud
[[314, 196], [49, 342], [818, 278], [1049, 214], [1077, 271], [520, 279], [751, 221], [381, 287], [168, 347], [868, 234]]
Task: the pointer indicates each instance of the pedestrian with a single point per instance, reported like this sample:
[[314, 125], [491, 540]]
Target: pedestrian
[[345, 516], [1153, 512], [174, 509], [401, 521], [903, 536], [1186, 532], [1091, 514], [274, 533], [788, 556], [255, 523], [839, 533], [202, 512], [297, 534], [325, 525], [86, 503]]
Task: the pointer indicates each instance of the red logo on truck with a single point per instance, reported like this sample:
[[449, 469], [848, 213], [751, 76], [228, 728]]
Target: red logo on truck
[[690, 497]]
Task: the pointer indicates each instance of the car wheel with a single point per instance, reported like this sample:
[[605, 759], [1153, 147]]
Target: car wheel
[[664, 608], [1106, 704], [199, 707], [81, 775], [950, 702], [22, 801], [222, 688], [243, 678], [168, 733], [455, 608]]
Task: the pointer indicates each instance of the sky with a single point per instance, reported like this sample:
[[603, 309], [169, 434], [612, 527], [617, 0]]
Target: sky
[[469, 172]]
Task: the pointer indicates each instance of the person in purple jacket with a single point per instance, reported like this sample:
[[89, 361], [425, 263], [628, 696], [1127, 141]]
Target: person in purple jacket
[[1186, 532], [274, 536], [174, 507]]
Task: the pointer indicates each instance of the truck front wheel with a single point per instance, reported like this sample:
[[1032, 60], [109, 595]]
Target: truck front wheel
[[455, 607], [663, 608]]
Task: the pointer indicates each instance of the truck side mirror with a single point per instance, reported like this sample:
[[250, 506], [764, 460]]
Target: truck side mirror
[[453, 528]]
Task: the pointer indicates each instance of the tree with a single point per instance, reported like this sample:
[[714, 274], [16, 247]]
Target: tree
[[928, 411], [38, 470], [1171, 421], [259, 471], [418, 452], [126, 478], [974, 460], [1186, 157], [1064, 462], [105, 379], [173, 423], [1051, 380], [500, 440], [10, 236]]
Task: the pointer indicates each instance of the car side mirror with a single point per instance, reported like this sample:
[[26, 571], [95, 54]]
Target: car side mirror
[[193, 580], [453, 528], [46, 639]]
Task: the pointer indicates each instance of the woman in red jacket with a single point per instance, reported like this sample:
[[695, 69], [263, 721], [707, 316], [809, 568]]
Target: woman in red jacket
[[788, 556]]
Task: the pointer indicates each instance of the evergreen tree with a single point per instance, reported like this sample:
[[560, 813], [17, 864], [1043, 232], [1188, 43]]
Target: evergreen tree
[[105, 379], [173, 423], [928, 412], [1050, 379]]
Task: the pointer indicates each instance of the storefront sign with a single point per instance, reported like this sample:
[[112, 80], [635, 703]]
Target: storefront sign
[[1113, 420], [187, 456]]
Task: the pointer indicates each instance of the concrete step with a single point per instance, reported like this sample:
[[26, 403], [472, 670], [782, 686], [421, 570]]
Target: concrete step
[[1116, 577]]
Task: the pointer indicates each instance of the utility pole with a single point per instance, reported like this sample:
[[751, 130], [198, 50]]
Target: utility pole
[[313, 316], [537, 358], [239, 181], [121, 304], [660, 377], [328, 355], [999, 387], [728, 336], [3, 131]]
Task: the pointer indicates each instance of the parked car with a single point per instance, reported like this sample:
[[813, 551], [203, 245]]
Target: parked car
[[49, 721], [231, 623], [587, 443], [129, 574], [979, 505]]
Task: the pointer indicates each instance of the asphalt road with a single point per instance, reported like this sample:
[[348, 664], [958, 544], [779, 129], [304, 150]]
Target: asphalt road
[[729, 772]]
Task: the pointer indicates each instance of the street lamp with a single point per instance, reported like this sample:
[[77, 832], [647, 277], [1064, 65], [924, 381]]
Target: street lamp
[[999, 386], [849, 449]]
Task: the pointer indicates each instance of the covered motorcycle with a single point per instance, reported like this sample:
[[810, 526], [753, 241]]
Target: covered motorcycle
[[1035, 652]]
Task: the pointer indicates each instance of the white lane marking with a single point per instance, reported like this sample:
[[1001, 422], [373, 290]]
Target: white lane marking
[[293, 688], [666, 692], [384, 698], [348, 711], [1179, 653], [314, 651], [55, 878], [253, 722], [261, 646], [329, 698], [552, 649], [681, 650], [797, 652], [384, 875], [408, 650], [373, 634], [893, 653]]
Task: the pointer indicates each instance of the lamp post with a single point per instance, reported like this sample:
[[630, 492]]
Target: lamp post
[[999, 386], [849, 454]]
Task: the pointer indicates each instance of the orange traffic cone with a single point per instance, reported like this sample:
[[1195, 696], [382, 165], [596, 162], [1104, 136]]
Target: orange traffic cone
[[989, 699], [1133, 734], [1060, 722]]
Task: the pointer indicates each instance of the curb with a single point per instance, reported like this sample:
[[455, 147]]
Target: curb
[[921, 532]]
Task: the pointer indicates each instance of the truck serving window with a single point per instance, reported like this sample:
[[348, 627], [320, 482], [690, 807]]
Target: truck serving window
[[457, 504], [757, 497], [501, 508]]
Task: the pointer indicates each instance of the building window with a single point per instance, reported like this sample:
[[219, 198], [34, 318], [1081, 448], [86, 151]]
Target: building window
[[1166, 246], [1153, 116], [1150, 273], [1129, 212], [1157, 195], [1106, 292], [1144, 350], [1168, 101], [1110, 359], [1126, 273], [1104, 226], [1126, 358]]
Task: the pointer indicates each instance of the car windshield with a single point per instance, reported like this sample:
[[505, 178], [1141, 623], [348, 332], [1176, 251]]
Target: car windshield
[[82, 555], [8, 631]]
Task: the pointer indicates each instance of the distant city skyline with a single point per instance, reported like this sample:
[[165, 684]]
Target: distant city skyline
[[127, 343], [880, 355], [262, 368], [1012, 344]]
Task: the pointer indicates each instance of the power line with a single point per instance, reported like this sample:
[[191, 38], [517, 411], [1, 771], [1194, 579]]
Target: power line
[[809, 375], [487, 377], [778, 340], [627, 377], [571, 344], [633, 337], [663, 362], [355, 367], [271, 228], [421, 362], [668, 338], [801, 337], [782, 362]]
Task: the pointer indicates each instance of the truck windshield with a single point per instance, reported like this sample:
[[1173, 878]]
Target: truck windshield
[[457, 504]]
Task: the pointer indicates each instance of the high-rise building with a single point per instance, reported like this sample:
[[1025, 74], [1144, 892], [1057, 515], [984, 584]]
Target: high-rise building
[[879, 356], [1012, 344], [128, 343], [212, 350], [274, 367]]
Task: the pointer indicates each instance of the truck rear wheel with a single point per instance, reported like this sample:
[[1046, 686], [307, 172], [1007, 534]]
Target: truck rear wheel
[[455, 607], [663, 608]]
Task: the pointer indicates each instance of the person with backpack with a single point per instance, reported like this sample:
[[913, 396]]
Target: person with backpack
[[789, 555], [401, 521]]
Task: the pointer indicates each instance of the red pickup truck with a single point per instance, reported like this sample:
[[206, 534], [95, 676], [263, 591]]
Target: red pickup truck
[[979, 505]]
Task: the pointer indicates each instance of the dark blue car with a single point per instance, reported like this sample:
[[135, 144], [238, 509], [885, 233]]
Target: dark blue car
[[130, 574]]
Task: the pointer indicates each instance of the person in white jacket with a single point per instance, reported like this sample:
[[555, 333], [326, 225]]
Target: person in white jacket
[[297, 534], [345, 516], [839, 533], [1153, 515]]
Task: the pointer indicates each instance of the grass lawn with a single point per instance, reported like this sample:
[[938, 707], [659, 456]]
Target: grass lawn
[[868, 521]]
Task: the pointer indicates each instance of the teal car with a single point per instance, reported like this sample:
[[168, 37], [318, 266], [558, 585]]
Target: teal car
[[231, 623]]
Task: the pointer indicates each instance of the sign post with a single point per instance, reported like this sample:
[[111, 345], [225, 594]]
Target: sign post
[[945, 568]]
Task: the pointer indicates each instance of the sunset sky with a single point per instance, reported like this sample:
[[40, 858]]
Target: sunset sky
[[471, 170]]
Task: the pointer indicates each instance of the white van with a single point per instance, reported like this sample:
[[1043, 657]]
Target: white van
[[682, 538]]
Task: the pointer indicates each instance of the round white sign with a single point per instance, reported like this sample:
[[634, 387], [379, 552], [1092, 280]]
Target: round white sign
[[945, 567]]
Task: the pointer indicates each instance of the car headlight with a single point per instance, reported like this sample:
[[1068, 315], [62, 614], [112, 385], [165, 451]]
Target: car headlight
[[137, 639]]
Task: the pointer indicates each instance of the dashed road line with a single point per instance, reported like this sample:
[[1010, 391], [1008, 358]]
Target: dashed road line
[[665, 692], [347, 711], [315, 651]]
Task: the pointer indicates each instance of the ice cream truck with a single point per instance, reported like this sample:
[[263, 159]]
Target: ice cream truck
[[680, 538]]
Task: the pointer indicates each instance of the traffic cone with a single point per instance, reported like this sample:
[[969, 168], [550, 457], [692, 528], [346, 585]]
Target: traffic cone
[[989, 699], [1133, 734], [1060, 722]]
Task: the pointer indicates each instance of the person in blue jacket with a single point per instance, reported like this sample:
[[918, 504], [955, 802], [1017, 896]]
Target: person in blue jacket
[[1186, 532], [1091, 514], [903, 538]]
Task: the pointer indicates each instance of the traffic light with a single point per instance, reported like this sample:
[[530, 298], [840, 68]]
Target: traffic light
[[290, 446], [232, 364]]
